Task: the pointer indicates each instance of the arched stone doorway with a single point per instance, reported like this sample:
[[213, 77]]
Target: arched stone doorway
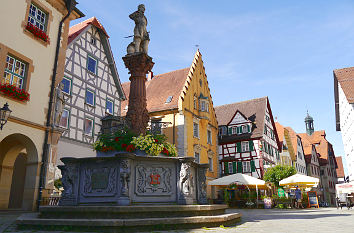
[[19, 172]]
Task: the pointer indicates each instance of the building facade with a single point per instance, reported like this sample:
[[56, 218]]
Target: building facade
[[341, 178], [248, 140], [300, 162], [92, 89], [27, 55], [180, 106], [344, 106], [326, 159], [287, 153]]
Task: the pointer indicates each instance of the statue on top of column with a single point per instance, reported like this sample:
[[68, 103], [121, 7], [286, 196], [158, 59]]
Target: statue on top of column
[[141, 36]]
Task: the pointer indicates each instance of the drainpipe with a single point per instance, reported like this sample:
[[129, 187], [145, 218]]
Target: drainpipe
[[70, 5]]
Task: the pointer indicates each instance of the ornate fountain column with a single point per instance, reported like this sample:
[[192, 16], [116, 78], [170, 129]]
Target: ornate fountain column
[[139, 64]]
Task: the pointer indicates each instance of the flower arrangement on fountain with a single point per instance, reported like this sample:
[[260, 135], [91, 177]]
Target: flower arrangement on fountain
[[126, 141]]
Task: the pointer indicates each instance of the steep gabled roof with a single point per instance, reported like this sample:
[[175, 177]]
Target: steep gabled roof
[[346, 79], [159, 88], [318, 138], [76, 29], [340, 169], [280, 131]]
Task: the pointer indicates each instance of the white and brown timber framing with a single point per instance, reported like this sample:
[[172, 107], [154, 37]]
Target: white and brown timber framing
[[255, 116], [105, 84]]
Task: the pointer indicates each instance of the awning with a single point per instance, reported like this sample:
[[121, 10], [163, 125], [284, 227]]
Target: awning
[[239, 179], [345, 188], [300, 180]]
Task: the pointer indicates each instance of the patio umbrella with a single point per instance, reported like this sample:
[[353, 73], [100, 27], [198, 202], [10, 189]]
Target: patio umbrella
[[300, 180], [238, 178]]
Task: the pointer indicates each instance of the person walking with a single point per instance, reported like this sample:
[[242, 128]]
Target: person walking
[[298, 195]]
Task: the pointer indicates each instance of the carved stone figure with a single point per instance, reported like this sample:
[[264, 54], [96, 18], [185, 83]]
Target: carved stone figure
[[59, 104], [141, 36], [202, 199], [69, 177], [185, 179], [124, 177]]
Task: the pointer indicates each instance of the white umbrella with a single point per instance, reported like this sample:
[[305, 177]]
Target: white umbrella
[[300, 180], [237, 178]]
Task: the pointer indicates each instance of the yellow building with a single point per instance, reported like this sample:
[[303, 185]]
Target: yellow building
[[27, 53], [181, 107]]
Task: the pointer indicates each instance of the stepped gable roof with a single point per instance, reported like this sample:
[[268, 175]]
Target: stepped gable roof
[[293, 136], [340, 169], [346, 79], [253, 109], [318, 138], [159, 88], [76, 29]]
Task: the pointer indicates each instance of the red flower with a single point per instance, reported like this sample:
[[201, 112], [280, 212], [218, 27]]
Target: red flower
[[130, 148], [117, 139], [124, 145], [156, 140]]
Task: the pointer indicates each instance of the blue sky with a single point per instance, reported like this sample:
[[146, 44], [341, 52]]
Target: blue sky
[[286, 50]]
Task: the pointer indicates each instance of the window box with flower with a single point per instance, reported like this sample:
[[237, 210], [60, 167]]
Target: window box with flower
[[14, 92], [37, 32]]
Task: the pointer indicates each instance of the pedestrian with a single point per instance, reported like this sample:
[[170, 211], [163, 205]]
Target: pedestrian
[[298, 196]]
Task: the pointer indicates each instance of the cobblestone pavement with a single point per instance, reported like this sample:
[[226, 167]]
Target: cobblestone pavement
[[321, 220]]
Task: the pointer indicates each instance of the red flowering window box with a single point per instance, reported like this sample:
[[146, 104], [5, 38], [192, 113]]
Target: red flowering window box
[[14, 92], [38, 33]]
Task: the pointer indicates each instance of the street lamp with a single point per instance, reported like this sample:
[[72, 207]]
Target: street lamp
[[4, 115]]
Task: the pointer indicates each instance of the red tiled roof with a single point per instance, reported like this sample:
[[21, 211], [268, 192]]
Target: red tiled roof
[[340, 169], [76, 29], [280, 131], [253, 109], [159, 88], [319, 139], [293, 137], [345, 78]]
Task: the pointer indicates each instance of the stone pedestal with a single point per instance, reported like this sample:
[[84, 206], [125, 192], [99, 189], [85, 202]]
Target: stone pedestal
[[139, 64]]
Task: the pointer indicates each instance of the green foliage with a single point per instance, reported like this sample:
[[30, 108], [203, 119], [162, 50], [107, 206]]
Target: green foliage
[[125, 140], [278, 172], [58, 184]]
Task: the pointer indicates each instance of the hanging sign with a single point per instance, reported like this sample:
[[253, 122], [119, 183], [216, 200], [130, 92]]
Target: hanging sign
[[313, 200], [281, 192]]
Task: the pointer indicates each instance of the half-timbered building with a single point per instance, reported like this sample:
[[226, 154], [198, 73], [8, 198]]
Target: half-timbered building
[[248, 141], [91, 86], [286, 151]]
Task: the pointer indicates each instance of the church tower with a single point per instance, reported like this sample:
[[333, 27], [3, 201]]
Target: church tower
[[309, 124]]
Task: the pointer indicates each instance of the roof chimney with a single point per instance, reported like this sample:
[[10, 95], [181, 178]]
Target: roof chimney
[[150, 75]]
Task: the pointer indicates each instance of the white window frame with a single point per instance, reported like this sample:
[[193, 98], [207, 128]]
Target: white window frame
[[67, 120], [71, 83], [197, 157], [244, 129], [210, 160], [15, 71], [33, 19], [209, 137], [87, 66], [245, 146], [92, 128], [195, 129], [94, 97], [246, 166], [111, 101], [230, 167], [234, 130]]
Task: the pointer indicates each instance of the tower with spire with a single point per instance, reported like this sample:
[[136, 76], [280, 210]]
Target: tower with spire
[[309, 124]]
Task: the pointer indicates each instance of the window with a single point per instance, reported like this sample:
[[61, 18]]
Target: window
[[210, 164], [169, 99], [67, 85], [88, 126], [234, 130], [207, 107], [109, 106], [90, 97], [93, 40], [64, 120], [244, 129], [245, 146], [196, 130], [197, 157], [37, 17], [92, 64], [246, 166], [209, 136], [230, 168], [222, 130], [202, 106], [195, 102], [15, 72]]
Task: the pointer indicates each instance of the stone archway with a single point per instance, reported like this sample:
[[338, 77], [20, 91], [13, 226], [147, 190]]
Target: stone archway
[[19, 172]]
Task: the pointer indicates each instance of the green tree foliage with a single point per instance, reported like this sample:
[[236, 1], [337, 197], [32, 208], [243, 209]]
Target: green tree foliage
[[278, 172]]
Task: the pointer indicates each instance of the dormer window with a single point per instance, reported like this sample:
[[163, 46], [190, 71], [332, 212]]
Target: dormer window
[[169, 99], [93, 40]]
